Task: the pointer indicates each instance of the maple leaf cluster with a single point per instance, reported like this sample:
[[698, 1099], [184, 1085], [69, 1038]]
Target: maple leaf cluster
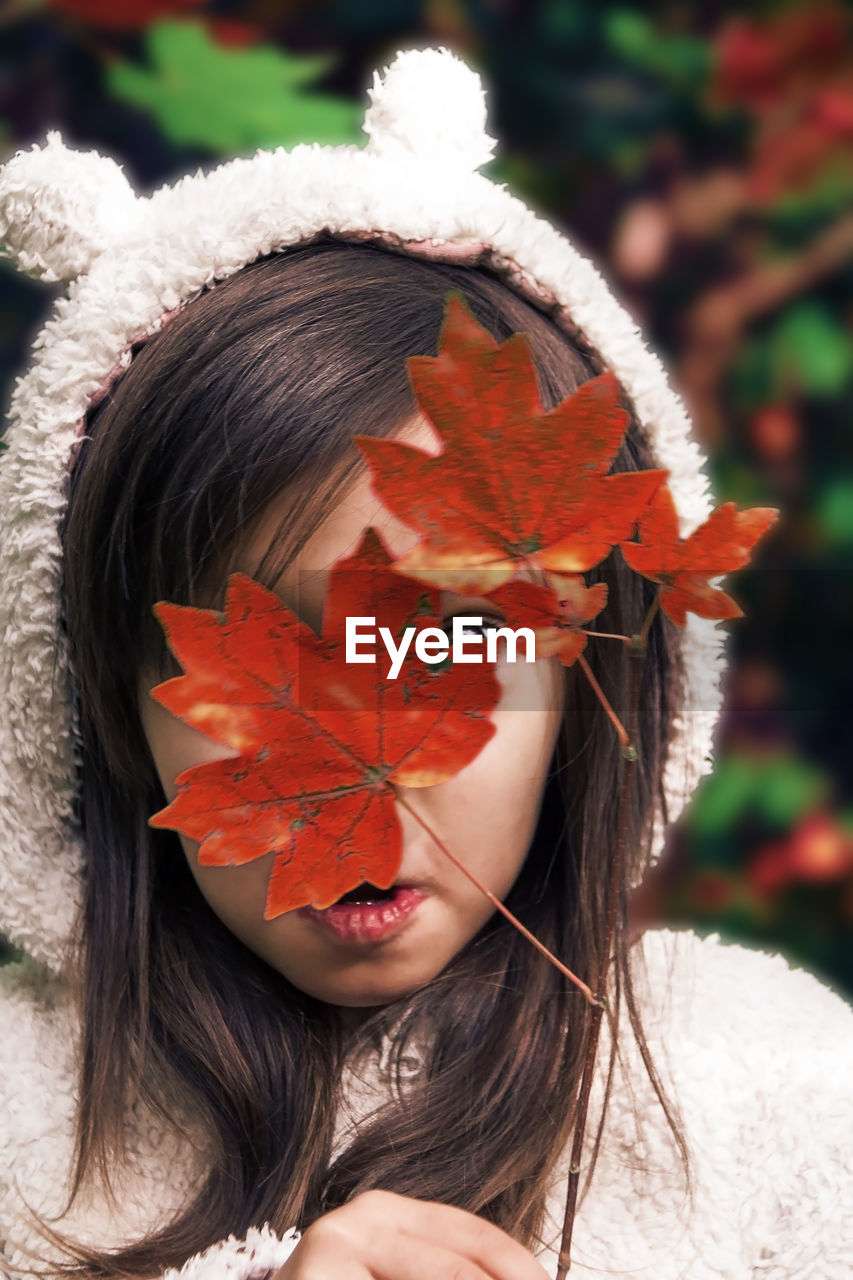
[[516, 506]]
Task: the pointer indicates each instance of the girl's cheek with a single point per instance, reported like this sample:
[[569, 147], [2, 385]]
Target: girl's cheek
[[535, 687], [501, 789]]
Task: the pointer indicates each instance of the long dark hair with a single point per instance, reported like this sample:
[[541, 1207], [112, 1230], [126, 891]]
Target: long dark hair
[[256, 389]]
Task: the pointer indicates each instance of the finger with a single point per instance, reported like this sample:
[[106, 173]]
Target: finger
[[319, 1257], [490, 1248], [459, 1231], [414, 1258]]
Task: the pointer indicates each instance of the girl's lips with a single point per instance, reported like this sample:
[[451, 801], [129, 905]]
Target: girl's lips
[[366, 922]]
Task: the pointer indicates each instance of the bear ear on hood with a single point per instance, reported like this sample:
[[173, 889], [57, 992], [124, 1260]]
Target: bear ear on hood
[[61, 209]]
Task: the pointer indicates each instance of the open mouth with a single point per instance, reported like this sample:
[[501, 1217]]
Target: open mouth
[[367, 913], [366, 893]]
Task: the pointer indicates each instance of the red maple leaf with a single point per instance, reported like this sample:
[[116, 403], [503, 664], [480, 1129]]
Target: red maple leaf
[[683, 565], [322, 742], [514, 486], [555, 612]]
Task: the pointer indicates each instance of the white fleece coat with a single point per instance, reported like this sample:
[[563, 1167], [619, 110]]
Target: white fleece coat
[[756, 1055]]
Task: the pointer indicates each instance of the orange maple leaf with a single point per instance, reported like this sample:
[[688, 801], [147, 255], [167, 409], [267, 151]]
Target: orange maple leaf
[[322, 742], [555, 612], [683, 566], [514, 486]]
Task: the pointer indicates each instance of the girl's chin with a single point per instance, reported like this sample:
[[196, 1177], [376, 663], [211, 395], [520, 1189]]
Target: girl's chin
[[356, 999]]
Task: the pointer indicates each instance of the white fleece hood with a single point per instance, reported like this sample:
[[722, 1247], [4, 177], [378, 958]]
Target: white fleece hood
[[129, 263]]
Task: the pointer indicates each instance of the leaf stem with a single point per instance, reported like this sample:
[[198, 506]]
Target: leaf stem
[[496, 902], [647, 625], [606, 635], [599, 693], [628, 774]]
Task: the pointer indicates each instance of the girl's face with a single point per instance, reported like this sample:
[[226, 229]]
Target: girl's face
[[486, 814]]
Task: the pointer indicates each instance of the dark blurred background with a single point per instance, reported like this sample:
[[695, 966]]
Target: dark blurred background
[[703, 154]]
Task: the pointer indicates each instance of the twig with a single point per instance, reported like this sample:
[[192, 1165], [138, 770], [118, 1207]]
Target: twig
[[610, 713], [565, 1258], [606, 635], [496, 902], [715, 325]]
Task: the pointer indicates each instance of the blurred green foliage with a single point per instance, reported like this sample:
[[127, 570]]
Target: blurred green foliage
[[682, 62], [779, 790], [231, 100]]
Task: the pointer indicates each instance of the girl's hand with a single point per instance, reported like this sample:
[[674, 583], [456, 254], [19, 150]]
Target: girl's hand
[[383, 1236]]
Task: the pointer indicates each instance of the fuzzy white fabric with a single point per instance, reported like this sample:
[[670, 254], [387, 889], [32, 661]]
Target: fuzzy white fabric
[[429, 108], [130, 261], [59, 207], [756, 1056]]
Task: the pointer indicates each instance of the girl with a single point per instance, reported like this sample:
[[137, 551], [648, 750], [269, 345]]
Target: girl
[[188, 1085]]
